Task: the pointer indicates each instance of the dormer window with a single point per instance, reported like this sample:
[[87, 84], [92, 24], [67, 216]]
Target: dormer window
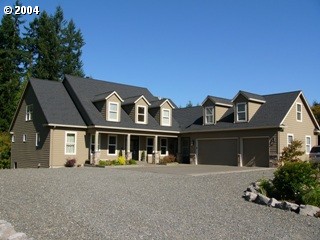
[[209, 115], [141, 114], [241, 112], [113, 111], [299, 112], [166, 117]]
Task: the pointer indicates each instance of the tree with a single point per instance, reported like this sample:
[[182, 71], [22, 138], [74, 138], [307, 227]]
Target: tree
[[189, 104], [55, 45], [292, 153], [11, 57], [316, 110]]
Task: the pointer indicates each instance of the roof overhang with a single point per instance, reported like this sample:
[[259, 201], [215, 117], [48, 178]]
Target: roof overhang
[[249, 99], [114, 93], [232, 129], [64, 126], [167, 100], [133, 129], [142, 97]]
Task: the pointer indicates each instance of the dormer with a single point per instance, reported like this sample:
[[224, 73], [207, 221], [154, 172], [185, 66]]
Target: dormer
[[109, 104], [214, 108], [161, 110], [246, 105], [137, 108]]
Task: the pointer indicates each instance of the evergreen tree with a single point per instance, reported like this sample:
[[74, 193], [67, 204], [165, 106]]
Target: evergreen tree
[[11, 57], [55, 46], [72, 44]]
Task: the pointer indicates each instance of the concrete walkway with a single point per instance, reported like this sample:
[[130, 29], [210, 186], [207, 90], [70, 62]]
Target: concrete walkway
[[192, 170]]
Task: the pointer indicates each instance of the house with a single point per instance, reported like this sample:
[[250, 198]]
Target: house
[[89, 120]]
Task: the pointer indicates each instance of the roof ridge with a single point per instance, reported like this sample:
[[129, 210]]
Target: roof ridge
[[282, 93]]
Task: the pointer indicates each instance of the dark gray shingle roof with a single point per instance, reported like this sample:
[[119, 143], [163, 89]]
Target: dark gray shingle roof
[[83, 90], [220, 100], [249, 95], [56, 103], [270, 114]]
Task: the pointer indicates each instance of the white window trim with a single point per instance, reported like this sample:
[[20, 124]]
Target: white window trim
[[37, 139], [307, 136], [75, 143], [109, 110], [147, 146], [162, 117], [288, 135], [299, 104], [24, 138], [145, 114], [205, 116], [245, 111], [13, 138], [163, 146], [116, 145], [29, 114]]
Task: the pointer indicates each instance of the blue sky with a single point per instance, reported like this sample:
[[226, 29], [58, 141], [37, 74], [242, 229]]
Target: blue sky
[[187, 49]]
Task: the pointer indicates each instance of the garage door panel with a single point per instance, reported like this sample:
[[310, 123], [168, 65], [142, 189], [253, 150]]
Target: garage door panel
[[218, 152], [256, 152]]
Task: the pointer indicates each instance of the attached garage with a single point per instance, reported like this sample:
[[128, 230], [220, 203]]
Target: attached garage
[[255, 152], [218, 151]]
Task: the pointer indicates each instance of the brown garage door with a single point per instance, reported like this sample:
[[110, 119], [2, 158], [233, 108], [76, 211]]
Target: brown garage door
[[256, 152], [218, 152]]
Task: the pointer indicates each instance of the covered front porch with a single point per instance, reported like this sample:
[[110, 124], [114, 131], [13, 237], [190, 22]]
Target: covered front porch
[[148, 147]]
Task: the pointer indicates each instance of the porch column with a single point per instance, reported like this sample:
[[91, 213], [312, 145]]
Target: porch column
[[128, 153], [155, 150], [96, 156]]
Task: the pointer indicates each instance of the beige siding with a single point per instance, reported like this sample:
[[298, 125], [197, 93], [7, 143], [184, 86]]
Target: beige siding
[[114, 99], [239, 99], [220, 111], [26, 154], [58, 156], [252, 109], [299, 129]]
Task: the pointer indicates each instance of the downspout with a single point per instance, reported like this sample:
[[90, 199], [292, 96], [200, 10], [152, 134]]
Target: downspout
[[51, 148]]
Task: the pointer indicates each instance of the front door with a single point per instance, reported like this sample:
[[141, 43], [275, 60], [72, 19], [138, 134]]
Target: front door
[[185, 149], [134, 147]]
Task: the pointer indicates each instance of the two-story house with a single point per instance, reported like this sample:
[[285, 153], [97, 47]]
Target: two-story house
[[89, 120]]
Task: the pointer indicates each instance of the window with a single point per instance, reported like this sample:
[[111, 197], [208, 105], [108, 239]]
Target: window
[[241, 112], [24, 137], [141, 114], [112, 145], [29, 112], [149, 145], [308, 144], [209, 119], [163, 146], [93, 141], [299, 112], [37, 139], [113, 111], [13, 138], [165, 118], [70, 143], [290, 138]]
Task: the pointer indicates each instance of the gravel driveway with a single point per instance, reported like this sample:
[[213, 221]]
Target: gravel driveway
[[94, 203]]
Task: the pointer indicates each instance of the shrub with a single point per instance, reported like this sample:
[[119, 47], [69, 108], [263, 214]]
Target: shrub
[[5, 148], [70, 162], [294, 179], [121, 160], [312, 197], [168, 159], [132, 162], [143, 156], [292, 153], [102, 163], [266, 187], [5, 164]]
